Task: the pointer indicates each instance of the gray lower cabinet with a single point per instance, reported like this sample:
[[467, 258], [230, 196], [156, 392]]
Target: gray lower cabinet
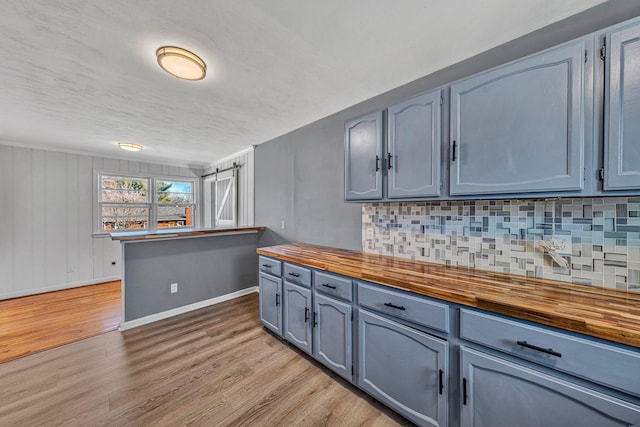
[[404, 368], [270, 302], [413, 147], [363, 157], [519, 128], [542, 377], [297, 316], [622, 109], [608, 365], [332, 334], [496, 392]]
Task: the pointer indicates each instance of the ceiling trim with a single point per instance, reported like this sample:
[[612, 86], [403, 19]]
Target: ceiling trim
[[231, 157]]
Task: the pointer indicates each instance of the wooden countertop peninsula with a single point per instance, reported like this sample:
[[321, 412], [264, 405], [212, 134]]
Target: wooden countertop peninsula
[[183, 232], [604, 313]]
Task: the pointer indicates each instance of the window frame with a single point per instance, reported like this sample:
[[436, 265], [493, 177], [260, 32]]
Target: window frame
[[152, 201], [157, 205]]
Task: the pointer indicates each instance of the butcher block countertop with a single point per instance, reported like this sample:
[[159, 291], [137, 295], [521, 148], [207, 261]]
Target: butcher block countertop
[[604, 313]]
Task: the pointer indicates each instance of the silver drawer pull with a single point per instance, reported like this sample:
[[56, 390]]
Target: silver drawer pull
[[540, 349]]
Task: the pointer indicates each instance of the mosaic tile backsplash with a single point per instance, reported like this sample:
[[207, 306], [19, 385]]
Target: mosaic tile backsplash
[[504, 236]]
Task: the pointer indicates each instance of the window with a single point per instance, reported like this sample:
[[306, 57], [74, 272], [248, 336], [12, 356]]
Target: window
[[175, 203], [126, 203]]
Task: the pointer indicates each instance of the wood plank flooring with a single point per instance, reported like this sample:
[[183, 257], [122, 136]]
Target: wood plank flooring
[[213, 367], [38, 322]]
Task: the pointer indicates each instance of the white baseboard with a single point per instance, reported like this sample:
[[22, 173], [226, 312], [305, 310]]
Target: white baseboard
[[186, 308], [27, 292]]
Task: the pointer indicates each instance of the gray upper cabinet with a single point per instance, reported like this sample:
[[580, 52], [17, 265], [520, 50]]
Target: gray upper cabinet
[[496, 392], [519, 128], [413, 147], [363, 157], [622, 110]]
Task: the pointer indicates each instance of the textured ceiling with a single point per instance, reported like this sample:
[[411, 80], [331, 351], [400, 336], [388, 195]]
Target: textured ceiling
[[79, 75]]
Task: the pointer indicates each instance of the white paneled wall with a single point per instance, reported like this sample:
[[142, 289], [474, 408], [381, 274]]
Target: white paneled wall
[[46, 215], [245, 183]]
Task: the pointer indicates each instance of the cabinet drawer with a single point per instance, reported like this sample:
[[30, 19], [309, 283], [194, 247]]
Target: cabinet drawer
[[605, 364], [297, 274], [414, 309], [270, 265], [333, 285]]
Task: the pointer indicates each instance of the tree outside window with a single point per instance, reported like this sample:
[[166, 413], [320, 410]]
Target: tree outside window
[[124, 203]]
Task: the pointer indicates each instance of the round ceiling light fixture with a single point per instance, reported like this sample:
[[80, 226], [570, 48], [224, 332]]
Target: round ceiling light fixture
[[129, 146], [181, 63]]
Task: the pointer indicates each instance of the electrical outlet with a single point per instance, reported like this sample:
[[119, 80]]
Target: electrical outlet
[[283, 225], [562, 243], [174, 288], [70, 268], [369, 233]]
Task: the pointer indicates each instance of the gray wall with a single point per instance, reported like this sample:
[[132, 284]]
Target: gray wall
[[203, 267], [299, 176], [298, 179]]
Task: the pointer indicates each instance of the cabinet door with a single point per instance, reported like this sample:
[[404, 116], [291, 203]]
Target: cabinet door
[[500, 393], [333, 335], [414, 138], [520, 127], [297, 316], [622, 110], [404, 368], [271, 302], [363, 158]]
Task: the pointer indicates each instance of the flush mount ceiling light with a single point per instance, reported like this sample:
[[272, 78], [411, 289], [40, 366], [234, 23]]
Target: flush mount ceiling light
[[181, 63], [129, 146]]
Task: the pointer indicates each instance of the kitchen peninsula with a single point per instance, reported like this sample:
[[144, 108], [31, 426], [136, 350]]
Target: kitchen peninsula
[[168, 272]]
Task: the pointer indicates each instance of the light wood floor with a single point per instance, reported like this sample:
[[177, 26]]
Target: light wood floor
[[38, 322], [213, 367]]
